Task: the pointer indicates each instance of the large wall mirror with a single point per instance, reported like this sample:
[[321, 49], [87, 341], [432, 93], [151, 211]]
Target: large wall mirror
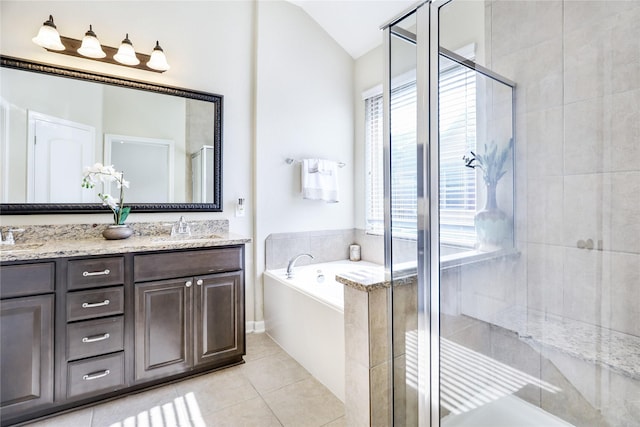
[[55, 121]]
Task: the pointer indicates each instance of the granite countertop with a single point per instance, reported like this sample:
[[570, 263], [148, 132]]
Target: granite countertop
[[40, 242]]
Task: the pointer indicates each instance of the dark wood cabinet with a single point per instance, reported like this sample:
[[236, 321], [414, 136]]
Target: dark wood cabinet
[[76, 330], [26, 353], [188, 323], [218, 321], [162, 328]]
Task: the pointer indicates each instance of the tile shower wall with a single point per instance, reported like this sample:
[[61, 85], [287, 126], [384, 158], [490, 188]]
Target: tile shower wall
[[577, 66], [577, 69]]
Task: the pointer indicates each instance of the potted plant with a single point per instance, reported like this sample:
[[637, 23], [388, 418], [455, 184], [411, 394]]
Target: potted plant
[[106, 174], [493, 226]]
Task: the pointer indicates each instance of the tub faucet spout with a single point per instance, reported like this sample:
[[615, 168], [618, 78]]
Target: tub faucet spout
[[292, 263]]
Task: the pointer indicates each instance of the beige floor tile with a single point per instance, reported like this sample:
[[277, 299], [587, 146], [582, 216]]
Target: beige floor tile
[[252, 413], [306, 403], [80, 418], [229, 397], [273, 372], [259, 346], [212, 392], [340, 422], [161, 405]]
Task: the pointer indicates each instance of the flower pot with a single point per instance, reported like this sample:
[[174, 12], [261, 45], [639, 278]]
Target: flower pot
[[493, 226], [117, 232]]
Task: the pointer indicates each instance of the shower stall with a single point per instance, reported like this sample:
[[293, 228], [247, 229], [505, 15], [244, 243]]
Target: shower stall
[[512, 213]]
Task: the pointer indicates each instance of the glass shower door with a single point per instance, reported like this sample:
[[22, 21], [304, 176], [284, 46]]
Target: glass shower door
[[539, 220], [517, 300]]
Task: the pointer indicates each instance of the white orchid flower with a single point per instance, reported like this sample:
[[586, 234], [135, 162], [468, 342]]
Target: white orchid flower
[[108, 200], [107, 174]]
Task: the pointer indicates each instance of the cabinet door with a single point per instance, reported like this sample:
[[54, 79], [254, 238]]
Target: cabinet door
[[219, 317], [162, 328], [26, 371]]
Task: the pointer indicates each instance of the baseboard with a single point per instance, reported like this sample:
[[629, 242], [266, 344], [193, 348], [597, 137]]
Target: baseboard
[[254, 327]]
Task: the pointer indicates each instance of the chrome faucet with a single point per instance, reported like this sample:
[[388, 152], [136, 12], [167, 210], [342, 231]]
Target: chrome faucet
[[9, 239], [292, 263], [181, 228]]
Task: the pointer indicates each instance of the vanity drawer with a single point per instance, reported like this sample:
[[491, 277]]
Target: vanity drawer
[[95, 337], [94, 272], [188, 263], [95, 303], [95, 374], [26, 279]]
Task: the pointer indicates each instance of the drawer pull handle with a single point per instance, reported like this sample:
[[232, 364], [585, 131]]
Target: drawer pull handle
[[95, 304], [199, 282], [95, 338], [96, 375], [96, 273]]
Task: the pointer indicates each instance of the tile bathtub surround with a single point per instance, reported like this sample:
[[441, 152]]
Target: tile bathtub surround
[[330, 245], [270, 389], [324, 245], [367, 362]]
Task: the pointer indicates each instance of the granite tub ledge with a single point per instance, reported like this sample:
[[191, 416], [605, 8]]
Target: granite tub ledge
[[368, 279]]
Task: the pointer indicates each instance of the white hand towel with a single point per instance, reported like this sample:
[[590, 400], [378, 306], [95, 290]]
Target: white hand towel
[[320, 180]]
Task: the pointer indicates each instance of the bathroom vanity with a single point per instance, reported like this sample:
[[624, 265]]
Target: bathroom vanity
[[107, 318]]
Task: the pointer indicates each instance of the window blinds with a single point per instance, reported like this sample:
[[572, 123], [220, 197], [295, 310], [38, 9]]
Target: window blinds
[[457, 138]]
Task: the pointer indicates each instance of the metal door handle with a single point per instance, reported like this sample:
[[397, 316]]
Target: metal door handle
[[95, 304], [95, 338], [199, 282], [188, 284], [96, 375], [96, 273]]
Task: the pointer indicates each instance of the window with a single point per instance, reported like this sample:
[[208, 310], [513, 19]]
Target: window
[[457, 138]]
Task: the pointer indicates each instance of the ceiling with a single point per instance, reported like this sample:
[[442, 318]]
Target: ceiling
[[354, 24]]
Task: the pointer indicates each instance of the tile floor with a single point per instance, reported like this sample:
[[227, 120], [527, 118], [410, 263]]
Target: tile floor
[[270, 389]]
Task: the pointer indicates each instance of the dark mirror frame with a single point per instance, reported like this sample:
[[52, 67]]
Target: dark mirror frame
[[56, 208]]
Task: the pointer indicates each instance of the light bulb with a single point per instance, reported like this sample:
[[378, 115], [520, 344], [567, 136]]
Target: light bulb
[[158, 60], [91, 46], [48, 36], [126, 54]]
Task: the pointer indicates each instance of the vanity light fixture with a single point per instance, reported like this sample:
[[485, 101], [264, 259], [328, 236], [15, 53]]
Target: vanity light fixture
[[126, 55], [158, 60], [90, 48], [48, 36]]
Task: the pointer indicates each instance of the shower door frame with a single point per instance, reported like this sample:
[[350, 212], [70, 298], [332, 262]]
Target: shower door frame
[[428, 51], [428, 353]]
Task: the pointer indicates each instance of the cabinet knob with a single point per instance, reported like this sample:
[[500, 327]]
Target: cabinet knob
[[199, 282], [188, 284]]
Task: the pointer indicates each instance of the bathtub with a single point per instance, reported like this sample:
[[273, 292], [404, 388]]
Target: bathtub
[[305, 316]]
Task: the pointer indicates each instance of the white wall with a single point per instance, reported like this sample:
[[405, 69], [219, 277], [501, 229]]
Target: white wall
[[288, 92], [209, 45], [304, 108]]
